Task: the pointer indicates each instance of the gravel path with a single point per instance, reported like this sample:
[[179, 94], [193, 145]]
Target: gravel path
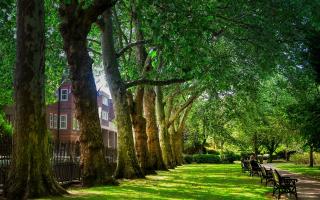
[[308, 188]]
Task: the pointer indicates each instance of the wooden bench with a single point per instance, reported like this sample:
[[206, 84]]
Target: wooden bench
[[254, 170], [284, 185], [266, 174], [245, 166]]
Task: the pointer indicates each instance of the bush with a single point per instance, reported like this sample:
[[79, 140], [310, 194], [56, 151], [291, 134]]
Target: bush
[[245, 155], [188, 159], [214, 152], [206, 158], [303, 158], [229, 157], [5, 127]]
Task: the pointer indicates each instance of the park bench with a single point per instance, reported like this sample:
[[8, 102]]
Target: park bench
[[254, 170], [283, 185], [266, 174], [245, 166]]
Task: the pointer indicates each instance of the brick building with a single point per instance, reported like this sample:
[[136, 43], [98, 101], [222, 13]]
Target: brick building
[[66, 128]]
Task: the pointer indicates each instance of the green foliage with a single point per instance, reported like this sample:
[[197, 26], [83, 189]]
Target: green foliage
[[188, 158], [206, 158], [214, 152], [5, 127], [229, 157], [304, 158]]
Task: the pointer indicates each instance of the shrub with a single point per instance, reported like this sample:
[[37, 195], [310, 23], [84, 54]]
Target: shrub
[[214, 152], [229, 157], [206, 158], [303, 158], [5, 127], [245, 155], [188, 158]]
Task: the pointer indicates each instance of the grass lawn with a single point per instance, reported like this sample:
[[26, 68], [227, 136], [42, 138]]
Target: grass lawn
[[194, 181], [301, 169]]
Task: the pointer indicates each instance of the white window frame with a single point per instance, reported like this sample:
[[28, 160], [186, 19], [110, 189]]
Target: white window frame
[[62, 95], [104, 100], [55, 121], [104, 115], [51, 120], [66, 121]]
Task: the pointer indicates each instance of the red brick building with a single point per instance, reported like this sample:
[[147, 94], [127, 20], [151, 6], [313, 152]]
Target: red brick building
[[66, 128]]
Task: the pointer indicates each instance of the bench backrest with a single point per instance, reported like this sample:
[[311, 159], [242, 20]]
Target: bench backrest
[[276, 177], [263, 171]]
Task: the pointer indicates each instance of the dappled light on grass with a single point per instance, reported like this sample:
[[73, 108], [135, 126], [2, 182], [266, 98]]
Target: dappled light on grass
[[196, 181], [313, 172]]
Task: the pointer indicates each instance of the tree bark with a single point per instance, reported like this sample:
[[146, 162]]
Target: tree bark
[[155, 154], [139, 127], [138, 120], [127, 163], [164, 137], [75, 26], [172, 137], [30, 174], [311, 159], [178, 138]]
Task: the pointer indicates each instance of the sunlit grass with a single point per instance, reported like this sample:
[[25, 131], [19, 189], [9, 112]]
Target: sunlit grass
[[195, 181], [313, 172]]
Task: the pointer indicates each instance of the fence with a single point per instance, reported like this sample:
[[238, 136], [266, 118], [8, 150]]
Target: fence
[[5, 157], [65, 160]]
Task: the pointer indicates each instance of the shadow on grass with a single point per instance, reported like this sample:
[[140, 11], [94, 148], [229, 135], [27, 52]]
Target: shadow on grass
[[194, 181], [313, 172]]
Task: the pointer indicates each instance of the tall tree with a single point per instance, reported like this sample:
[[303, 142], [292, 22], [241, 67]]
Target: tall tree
[[76, 21], [30, 173], [127, 163]]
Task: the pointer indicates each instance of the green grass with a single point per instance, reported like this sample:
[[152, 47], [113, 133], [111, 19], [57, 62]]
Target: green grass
[[313, 172], [194, 181]]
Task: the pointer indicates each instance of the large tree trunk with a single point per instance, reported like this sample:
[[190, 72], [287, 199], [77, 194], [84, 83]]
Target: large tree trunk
[[127, 163], [138, 121], [155, 154], [311, 159], [178, 138], [255, 144], [31, 173], [163, 130], [93, 163], [139, 127], [172, 137]]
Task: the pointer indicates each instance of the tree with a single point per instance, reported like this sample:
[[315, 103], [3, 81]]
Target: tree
[[31, 141], [127, 163], [76, 21]]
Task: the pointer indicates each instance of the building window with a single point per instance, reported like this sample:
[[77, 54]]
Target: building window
[[55, 121], [105, 101], [63, 121], [104, 115], [75, 123], [110, 139], [51, 120], [64, 95]]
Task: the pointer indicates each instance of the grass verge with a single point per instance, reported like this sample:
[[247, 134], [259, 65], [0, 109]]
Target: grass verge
[[313, 172], [194, 181]]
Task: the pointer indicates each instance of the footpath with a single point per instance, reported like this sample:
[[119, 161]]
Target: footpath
[[307, 188]]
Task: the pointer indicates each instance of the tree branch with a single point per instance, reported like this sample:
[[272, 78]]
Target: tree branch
[[184, 106], [94, 41], [124, 49], [94, 51], [97, 8], [155, 82]]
